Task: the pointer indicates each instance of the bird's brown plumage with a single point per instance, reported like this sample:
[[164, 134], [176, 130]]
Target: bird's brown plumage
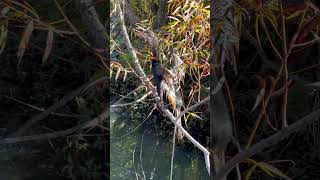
[[165, 80]]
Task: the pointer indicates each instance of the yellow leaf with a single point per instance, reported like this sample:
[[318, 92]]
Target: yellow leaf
[[295, 14], [195, 115], [125, 75], [118, 73]]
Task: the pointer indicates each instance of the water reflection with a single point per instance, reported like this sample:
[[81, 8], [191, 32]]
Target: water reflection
[[146, 154]]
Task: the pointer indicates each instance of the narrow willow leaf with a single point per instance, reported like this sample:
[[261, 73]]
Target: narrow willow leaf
[[274, 170], [125, 75], [48, 46], [195, 115], [316, 84], [218, 86], [295, 14], [25, 40], [118, 73], [174, 18], [32, 10], [274, 24], [264, 168], [175, 11], [185, 5], [259, 98], [250, 171], [28, 7], [3, 35], [257, 30]]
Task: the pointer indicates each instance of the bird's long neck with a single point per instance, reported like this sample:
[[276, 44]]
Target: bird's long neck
[[157, 71]]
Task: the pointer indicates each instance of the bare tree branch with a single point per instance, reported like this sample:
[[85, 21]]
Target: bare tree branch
[[54, 107], [92, 123], [270, 141], [97, 32]]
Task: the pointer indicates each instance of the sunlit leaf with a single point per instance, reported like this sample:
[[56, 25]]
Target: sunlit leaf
[[259, 99], [194, 115], [125, 75], [118, 73]]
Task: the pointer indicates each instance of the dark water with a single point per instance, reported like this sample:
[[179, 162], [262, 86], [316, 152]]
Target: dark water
[[145, 154]]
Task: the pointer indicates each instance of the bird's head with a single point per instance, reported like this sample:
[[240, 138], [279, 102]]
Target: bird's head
[[151, 39]]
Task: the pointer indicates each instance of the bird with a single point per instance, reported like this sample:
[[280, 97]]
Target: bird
[[166, 82], [168, 90]]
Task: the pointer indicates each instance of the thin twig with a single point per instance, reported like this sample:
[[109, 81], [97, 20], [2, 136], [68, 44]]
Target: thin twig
[[119, 137], [127, 95], [172, 153], [76, 30], [134, 167], [270, 40], [285, 68], [25, 127], [189, 137], [41, 109], [141, 163], [134, 102], [205, 100]]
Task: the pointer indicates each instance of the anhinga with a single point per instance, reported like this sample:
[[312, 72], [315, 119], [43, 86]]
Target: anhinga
[[167, 89], [166, 82]]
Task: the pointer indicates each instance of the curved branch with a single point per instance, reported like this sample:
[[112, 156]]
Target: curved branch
[[39, 117], [97, 31], [272, 140], [92, 123]]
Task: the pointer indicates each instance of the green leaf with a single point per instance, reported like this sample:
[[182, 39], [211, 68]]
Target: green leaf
[[195, 115], [250, 171], [274, 170], [264, 168]]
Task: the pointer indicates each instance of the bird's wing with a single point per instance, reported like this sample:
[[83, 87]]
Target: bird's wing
[[168, 93]]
